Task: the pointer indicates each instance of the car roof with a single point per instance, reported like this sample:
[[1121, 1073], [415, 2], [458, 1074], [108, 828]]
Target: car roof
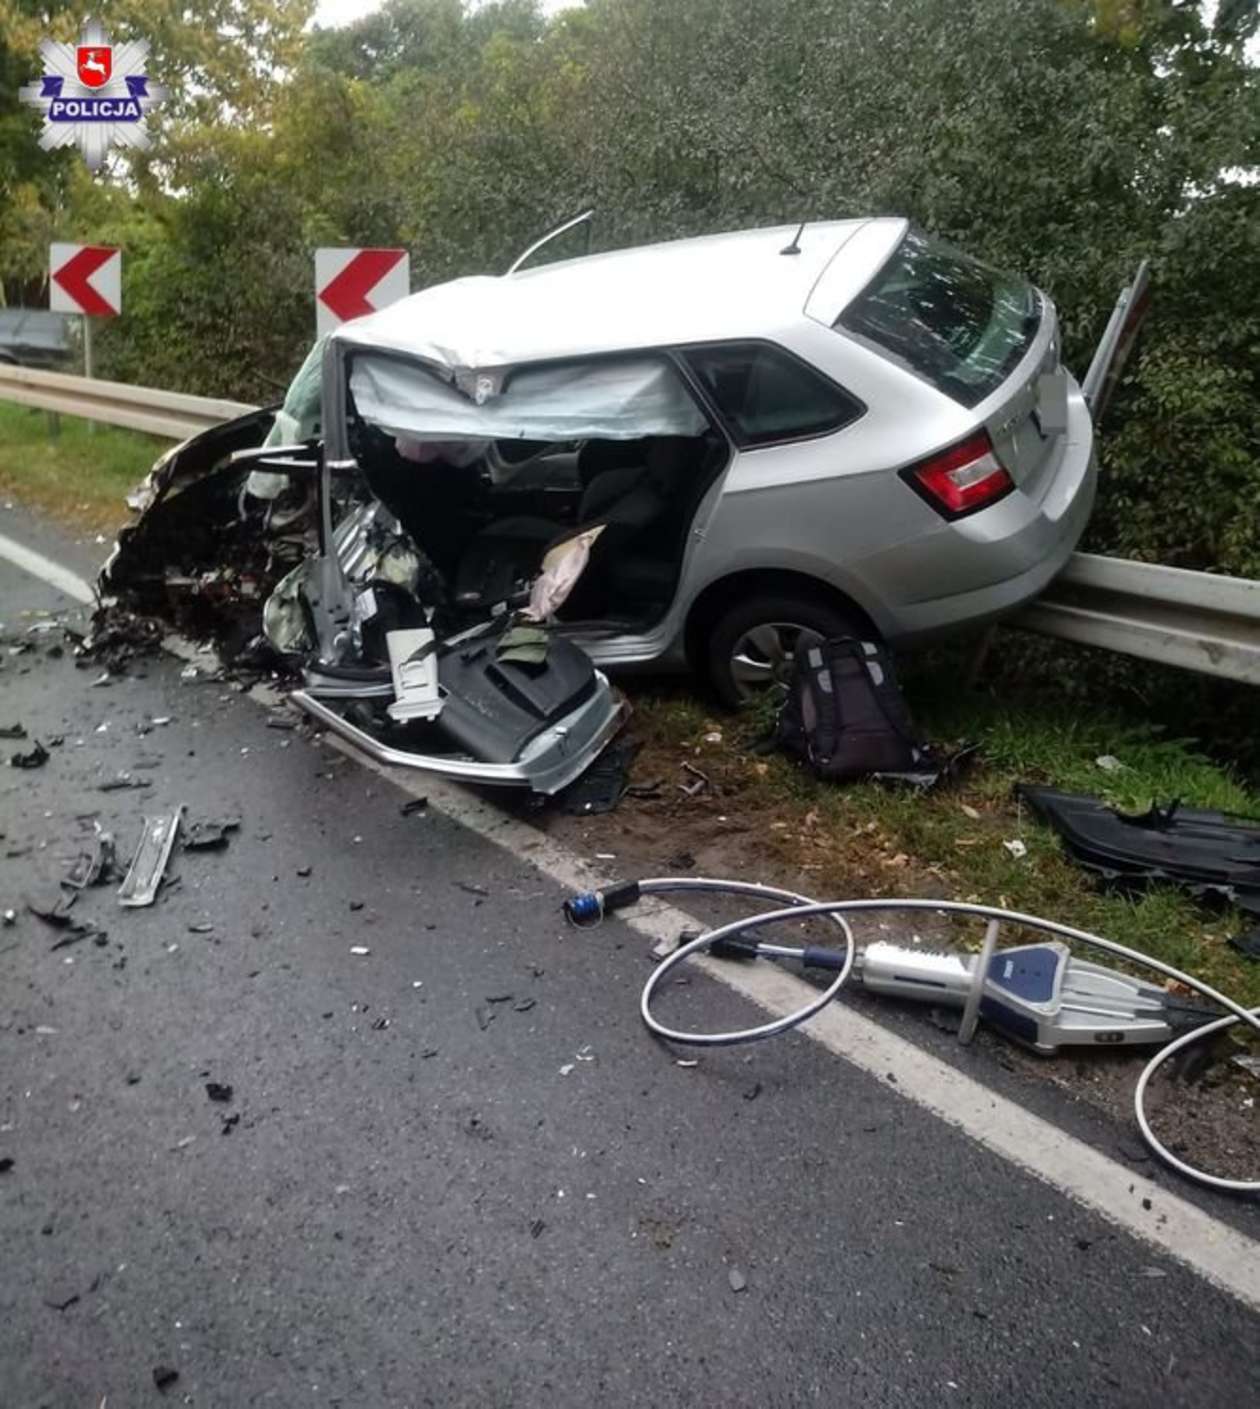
[[735, 285]]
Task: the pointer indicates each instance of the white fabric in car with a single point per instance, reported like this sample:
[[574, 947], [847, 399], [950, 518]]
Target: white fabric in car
[[620, 400]]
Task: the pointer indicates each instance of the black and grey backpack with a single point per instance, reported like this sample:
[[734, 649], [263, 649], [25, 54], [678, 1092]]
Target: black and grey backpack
[[845, 716]]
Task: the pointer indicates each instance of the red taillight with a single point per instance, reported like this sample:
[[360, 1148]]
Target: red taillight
[[962, 479]]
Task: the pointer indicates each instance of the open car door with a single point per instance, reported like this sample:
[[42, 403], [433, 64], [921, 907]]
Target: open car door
[[1117, 342]]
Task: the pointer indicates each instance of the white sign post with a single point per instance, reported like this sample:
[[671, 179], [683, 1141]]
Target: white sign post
[[352, 282]]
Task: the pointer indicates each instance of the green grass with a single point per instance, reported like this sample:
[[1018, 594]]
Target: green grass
[[862, 833], [78, 477]]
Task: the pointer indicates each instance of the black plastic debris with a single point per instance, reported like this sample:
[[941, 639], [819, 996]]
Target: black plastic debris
[[218, 1090], [414, 805], [6, 1163], [12, 731], [164, 1376], [122, 783], [207, 835], [604, 783], [32, 758], [52, 907], [470, 889], [1207, 853], [1247, 944]]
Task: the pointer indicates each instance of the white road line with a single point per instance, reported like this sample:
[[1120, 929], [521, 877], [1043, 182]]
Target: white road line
[[46, 570], [1224, 1256]]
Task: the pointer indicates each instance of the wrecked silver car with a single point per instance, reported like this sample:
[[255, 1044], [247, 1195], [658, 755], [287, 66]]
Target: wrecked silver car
[[698, 454]]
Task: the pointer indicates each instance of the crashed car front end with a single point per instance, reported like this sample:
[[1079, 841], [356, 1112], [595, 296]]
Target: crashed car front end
[[254, 536]]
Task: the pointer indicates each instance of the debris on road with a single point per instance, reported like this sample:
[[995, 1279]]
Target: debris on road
[[9, 918], [359, 949], [414, 805], [96, 864], [207, 835], [737, 1280], [12, 731], [164, 1376], [144, 876], [604, 783], [122, 783], [218, 1090], [33, 758], [1247, 944]]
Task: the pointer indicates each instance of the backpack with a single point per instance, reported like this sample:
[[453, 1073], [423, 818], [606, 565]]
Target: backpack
[[845, 718]]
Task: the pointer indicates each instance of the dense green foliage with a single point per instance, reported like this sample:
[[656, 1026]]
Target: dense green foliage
[[1062, 138]]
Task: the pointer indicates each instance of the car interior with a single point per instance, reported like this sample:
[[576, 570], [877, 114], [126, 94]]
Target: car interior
[[485, 515]]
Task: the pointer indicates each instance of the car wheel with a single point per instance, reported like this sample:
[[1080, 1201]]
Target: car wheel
[[753, 644]]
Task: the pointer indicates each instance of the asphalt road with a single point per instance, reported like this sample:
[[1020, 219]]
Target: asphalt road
[[462, 1174]]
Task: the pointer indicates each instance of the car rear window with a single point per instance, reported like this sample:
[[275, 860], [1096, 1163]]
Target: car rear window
[[766, 395], [955, 322]]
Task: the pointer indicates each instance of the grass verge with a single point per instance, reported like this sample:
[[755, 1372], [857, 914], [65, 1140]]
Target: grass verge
[[79, 477], [866, 839]]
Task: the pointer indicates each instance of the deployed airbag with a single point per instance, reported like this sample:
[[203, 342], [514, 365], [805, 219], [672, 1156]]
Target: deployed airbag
[[620, 400], [1207, 853]]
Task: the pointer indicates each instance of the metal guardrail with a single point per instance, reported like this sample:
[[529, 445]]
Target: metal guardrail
[[1196, 620], [138, 408]]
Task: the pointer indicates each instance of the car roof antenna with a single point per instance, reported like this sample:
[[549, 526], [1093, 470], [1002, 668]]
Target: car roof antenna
[[795, 246]]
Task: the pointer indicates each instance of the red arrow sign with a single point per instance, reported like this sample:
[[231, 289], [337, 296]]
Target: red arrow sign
[[346, 294], [74, 275]]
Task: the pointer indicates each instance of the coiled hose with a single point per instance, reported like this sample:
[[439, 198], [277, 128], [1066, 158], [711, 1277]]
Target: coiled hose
[[589, 908]]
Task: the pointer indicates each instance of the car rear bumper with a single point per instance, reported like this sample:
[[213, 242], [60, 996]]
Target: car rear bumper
[[1024, 543]]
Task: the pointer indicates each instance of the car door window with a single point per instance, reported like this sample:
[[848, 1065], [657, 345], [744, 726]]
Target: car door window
[[766, 395]]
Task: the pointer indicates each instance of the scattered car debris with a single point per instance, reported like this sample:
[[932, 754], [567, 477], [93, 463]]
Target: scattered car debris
[[414, 805], [359, 949], [33, 758], [53, 908], [1247, 944], [737, 1280], [218, 1090], [96, 864], [144, 876], [12, 731], [1017, 848], [485, 1016], [164, 1376], [122, 783], [1204, 852], [281, 721], [208, 836], [470, 889], [523, 1005], [201, 927], [604, 783], [9, 918], [6, 1163]]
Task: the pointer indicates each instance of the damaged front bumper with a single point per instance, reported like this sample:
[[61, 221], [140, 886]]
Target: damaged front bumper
[[550, 762]]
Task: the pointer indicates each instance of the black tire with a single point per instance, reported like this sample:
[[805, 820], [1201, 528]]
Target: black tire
[[781, 613]]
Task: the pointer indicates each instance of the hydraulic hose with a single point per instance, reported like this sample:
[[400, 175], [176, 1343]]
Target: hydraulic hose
[[732, 939]]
